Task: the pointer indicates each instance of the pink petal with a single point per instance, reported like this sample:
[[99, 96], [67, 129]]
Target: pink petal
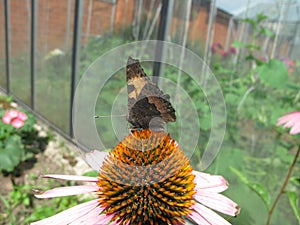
[[67, 191], [218, 202], [194, 216], [201, 213], [72, 177], [13, 113], [6, 119], [17, 123], [105, 219], [295, 129], [69, 215], [22, 116], [288, 117], [211, 183], [116, 223], [291, 120], [91, 217], [95, 159]]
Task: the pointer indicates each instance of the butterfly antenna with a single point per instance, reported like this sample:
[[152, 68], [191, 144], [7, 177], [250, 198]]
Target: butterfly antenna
[[99, 116]]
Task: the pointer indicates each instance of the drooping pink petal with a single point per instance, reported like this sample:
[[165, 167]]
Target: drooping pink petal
[[71, 177], [6, 119], [67, 191], [291, 120], [91, 217], [201, 213], [95, 159], [217, 202], [211, 183], [197, 218], [17, 123], [70, 215], [22, 116], [101, 219]]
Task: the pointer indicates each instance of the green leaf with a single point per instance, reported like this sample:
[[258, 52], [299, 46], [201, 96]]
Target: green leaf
[[8, 208], [26, 201], [92, 173], [257, 188], [250, 57], [293, 86], [253, 47], [293, 199], [283, 154], [239, 44], [273, 74], [242, 177], [267, 32], [11, 153], [295, 180], [261, 17], [262, 192], [250, 21]]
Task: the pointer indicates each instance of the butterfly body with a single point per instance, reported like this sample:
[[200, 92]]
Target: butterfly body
[[148, 106]]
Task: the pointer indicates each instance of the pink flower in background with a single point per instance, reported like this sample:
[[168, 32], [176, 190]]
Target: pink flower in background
[[6, 119], [225, 54], [215, 47], [232, 50], [22, 116], [15, 118], [291, 120], [17, 123], [289, 64], [13, 113]]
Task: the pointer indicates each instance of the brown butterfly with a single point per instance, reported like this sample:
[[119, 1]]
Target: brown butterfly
[[148, 106]]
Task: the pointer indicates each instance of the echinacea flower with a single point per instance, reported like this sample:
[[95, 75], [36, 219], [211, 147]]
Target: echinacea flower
[[15, 118], [145, 180], [291, 120]]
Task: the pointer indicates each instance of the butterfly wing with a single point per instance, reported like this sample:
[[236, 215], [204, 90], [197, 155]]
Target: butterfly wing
[[148, 106]]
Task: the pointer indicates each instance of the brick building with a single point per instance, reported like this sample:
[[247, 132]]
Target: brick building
[[55, 22]]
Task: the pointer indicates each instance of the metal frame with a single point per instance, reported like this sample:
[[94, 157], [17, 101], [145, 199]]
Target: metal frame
[[76, 55], [32, 51], [7, 43], [161, 36]]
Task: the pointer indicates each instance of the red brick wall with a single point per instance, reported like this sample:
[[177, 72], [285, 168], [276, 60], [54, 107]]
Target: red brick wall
[[52, 23], [198, 26]]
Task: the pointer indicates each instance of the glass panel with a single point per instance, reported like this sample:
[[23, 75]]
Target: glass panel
[[2, 47], [242, 54], [20, 13], [106, 25], [53, 69]]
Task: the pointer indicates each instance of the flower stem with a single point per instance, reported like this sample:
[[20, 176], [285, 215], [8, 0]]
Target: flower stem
[[283, 186]]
